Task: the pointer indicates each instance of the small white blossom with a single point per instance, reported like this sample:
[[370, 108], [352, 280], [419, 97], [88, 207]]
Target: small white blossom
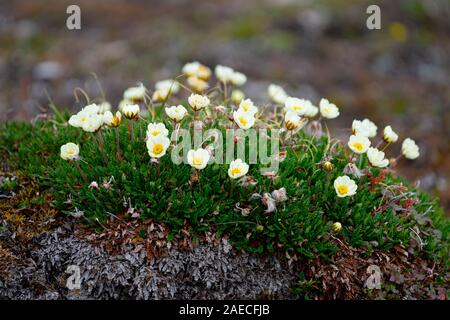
[[345, 187]]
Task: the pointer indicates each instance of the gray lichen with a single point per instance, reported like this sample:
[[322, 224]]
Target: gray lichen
[[206, 272]]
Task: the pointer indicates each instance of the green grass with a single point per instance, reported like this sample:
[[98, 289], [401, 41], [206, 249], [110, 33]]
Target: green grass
[[301, 225]]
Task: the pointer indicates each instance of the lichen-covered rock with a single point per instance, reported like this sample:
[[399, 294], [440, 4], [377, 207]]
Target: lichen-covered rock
[[206, 272]]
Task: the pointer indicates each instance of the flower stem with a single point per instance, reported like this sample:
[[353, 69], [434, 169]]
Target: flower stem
[[101, 144], [77, 164], [118, 151]]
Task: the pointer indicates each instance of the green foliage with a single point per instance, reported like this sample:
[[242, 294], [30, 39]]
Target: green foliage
[[301, 225]]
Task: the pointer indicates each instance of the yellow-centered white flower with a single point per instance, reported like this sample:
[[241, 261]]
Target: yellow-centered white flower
[[328, 110], [131, 111], [112, 120], [389, 135], [247, 106], [135, 94], [299, 106], [69, 151], [410, 150], [77, 120], [376, 158], [237, 169], [157, 146], [176, 113], [198, 102], [344, 186], [277, 93], [293, 121], [244, 120], [198, 158], [365, 127], [359, 143], [156, 130], [94, 122]]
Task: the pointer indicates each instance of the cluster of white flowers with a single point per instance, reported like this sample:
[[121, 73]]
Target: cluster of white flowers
[[90, 119], [229, 75], [157, 139], [244, 116], [359, 143], [197, 76], [297, 112]]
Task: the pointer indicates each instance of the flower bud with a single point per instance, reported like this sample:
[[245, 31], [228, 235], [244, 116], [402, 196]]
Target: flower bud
[[336, 227], [328, 166]]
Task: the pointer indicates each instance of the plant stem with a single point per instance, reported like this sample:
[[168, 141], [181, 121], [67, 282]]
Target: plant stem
[[101, 144], [77, 164], [118, 151]]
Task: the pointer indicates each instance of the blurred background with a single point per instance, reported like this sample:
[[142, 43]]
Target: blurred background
[[398, 75]]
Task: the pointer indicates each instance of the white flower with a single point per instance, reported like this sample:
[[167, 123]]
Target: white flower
[[247, 106], [135, 94], [366, 128], [238, 79], [358, 143], [345, 186], [103, 107], [277, 93], [293, 121], [160, 95], [376, 158], [389, 135], [198, 101], [197, 84], [191, 68], [312, 111], [91, 109], [123, 103], [410, 150], [299, 106], [116, 120], [69, 151], [243, 119], [223, 73], [198, 158], [156, 129], [176, 113], [107, 118], [131, 111], [94, 122], [237, 96], [328, 110], [79, 119], [237, 169], [196, 69], [157, 146], [169, 85]]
